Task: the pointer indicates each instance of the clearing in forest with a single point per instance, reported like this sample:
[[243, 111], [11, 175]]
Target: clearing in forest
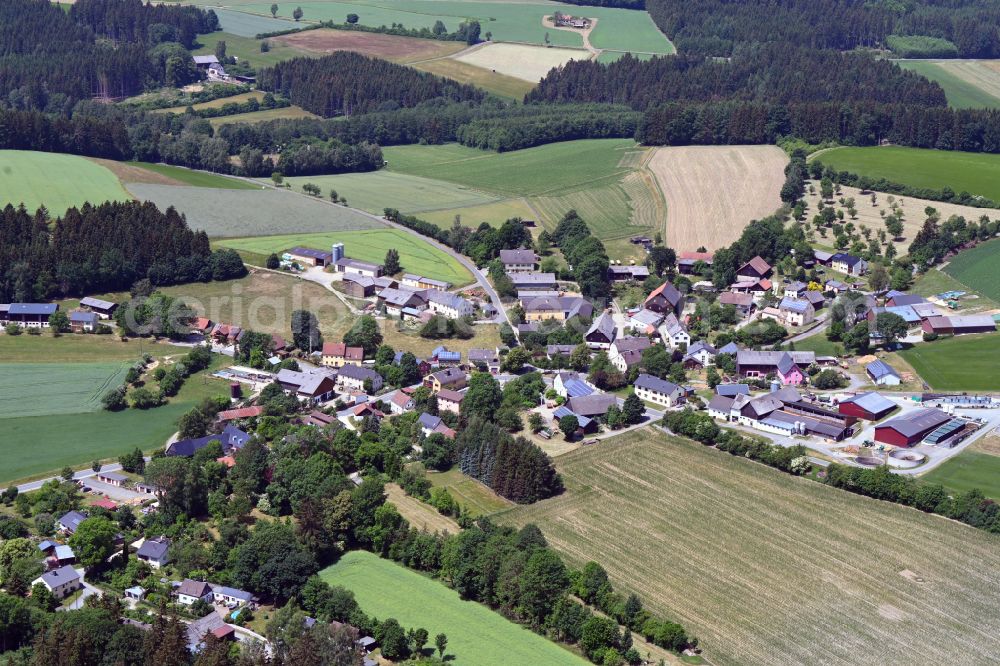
[[766, 568], [522, 61], [713, 192], [967, 84]]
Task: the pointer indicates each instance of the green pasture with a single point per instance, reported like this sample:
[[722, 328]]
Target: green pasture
[[247, 25], [263, 212], [493, 214], [976, 173], [55, 180], [619, 29], [415, 254], [374, 192], [216, 103], [196, 178], [476, 634], [39, 389], [957, 363], [246, 49], [968, 470], [961, 93], [979, 268], [283, 113]]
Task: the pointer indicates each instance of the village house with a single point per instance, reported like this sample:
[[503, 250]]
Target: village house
[[449, 305], [230, 597], [354, 378], [626, 353], [338, 354], [534, 281], [601, 333], [232, 439], [103, 309], [315, 386], [559, 351], [882, 374], [627, 273], [558, 308], [796, 311], [786, 366], [571, 385], [396, 301], [592, 406], [849, 264], [430, 425], [742, 301], [732, 390], [686, 261], [483, 358], [155, 552], [644, 322], [720, 406], [518, 261], [450, 401], [658, 391], [755, 269], [401, 402], [815, 298], [585, 425], [673, 333], [27, 315], [795, 289], [441, 356], [450, 378], [665, 299], [419, 282], [190, 591], [60, 582], [69, 521], [700, 354], [83, 322]]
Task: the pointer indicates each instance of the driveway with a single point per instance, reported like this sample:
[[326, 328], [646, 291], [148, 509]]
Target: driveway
[[88, 591]]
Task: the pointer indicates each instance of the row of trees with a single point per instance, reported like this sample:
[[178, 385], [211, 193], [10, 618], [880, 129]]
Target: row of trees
[[108, 247], [347, 83], [585, 253], [549, 125]]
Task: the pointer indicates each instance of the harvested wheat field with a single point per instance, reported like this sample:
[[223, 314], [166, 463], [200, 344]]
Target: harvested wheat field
[[871, 215], [713, 192], [522, 61], [389, 47], [767, 568]]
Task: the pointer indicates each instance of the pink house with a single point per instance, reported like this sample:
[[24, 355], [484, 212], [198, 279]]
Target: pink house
[[788, 372]]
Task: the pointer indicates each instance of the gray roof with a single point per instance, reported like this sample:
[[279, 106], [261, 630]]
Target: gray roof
[[114, 476], [700, 345], [426, 280], [916, 422], [517, 256], [60, 576], [652, 383], [752, 357], [194, 588], [428, 421], [720, 403], [730, 390], [446, 299], [448, 375], [401, 297], [872, 403], [785, 364], [72, 519], [308, 383], [205, 59], [848, 259], [83, 317], [591, 405], [647, 317], [604, 325], [730, 348], [33, 308], [64, 552], [632, 343], [92, 302], [154, 549], [533, 278], [310, 252], [242, 595], [880, 369], [345, 262], [358, 372], [795, 305]]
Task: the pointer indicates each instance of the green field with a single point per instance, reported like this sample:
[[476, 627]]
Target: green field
[[494, 214], [217, 103], [961, 363], [979, 268], [374, 192], [196, 178], [415, 254], [820, 345], [598, 178], [969, 469], [620, 29], [55, 180], [286, 112], [246, 25], [476, 634], [976, 173], [59, 439], [958, 79], [472, 495], [262, 212], [767, 568], [611, 56], [39, 389], [246, 50]]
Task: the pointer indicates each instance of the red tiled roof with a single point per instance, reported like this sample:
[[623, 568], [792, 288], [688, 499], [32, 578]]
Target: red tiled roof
[[696, 256], [341, 350], [106, 504], [758, 264], [241, 413], [202, 324]]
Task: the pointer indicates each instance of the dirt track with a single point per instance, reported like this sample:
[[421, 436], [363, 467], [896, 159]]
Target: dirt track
[[713, 192]]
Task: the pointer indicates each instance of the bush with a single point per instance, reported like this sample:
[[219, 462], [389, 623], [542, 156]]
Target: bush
[[930, 337], [114, 400]]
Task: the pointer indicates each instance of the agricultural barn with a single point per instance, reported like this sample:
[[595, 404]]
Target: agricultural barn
[[960, 325], [602, 332], [587, 426], [626, 273], [755, 269], [911, 428], [28, 315], [305, 256], [592, 406], [534, 281], [358, 286], [205, 61], [420, 282], [882, 374], [104, 309], [867, 406], [355, 267], [687, 260], [664, 299]]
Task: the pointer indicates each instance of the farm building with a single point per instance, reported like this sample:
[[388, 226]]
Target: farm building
[[396, 300], [593, 405], [449, 305], [686, 261], [534, 281], [587, 426], [898, 298], [755, 287], [909, 429], [720, 407], [563, 351], [60, 582], [571, 385], [658, 391], [882, 374], [601, 333], [155, 552], [112, 478], [558, 308], [959, 325], [784, 412], [755, 269], [228, 415], [518, 261], [83, 322], [232, 439], [420, 282], [305, 256], [315, 386], [665, 299], [204, 61], [354, 378], [27, 315], [849, 264], [349, 266], [627, 273], [358, 286], [751, 363], [732, 390], [338, 354], [815, 298], [867, 406], [103, 309]]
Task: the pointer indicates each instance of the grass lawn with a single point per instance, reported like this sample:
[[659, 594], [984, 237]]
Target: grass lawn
[[476, 634], [287, 113], [55, 180], [976, 173], [819, 344], [196, 178], [415, 255], [767, 568], [487, 337], [374, 192], [969, 469], [40, 389], [77, 348], [957, 363], [958, 79], [979, 268], [471, 494]]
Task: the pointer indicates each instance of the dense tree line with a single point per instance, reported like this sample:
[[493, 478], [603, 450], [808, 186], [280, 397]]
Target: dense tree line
[[102, 248], [621, 4], [585, 253], [771, 73], [721, 27], [512, 466], [138, 22], [347, 83], [468, 31], [550, 124]]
